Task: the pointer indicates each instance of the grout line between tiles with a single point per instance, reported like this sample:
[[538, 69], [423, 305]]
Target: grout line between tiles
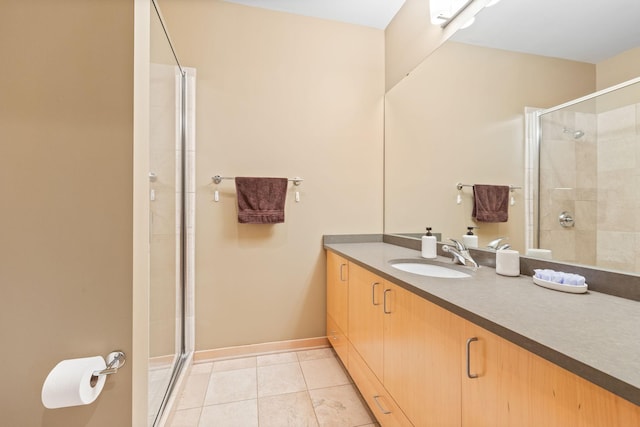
[[308, 391]]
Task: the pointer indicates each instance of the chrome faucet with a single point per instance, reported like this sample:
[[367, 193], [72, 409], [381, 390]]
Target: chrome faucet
[[495, 244], [460, 253]]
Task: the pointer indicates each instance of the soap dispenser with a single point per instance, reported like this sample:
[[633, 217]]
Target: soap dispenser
[[470, 240], [429, 245]]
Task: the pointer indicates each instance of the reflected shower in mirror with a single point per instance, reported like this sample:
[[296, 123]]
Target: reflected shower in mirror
[[589, 202]]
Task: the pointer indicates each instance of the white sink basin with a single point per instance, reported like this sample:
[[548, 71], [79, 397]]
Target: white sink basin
[[429, 270]]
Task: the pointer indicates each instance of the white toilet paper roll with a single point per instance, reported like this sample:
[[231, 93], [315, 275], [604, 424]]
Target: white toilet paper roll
[[508, 262], [69, 383]]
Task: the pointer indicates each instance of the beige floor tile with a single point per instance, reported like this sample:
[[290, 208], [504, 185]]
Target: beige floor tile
[[234, 414], [287, 410], [339, 406], [228, 390], [277, 358], [280, 379], [194, 391], [319, 353], [185, 418], [233, 364], [231, 386], [321, 373]]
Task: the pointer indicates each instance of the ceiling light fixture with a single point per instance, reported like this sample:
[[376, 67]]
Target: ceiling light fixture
[[448, 10], [469, 23], [443, 12]]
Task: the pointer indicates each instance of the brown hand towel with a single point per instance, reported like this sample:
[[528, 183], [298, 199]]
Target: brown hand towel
[[490, 203], [261, 200]]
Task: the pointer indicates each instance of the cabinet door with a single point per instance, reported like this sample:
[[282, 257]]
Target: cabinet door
[[560, 398], [338, 290], [366, 316], [495, 376], [506, 385], [421, 358], [599, 407]]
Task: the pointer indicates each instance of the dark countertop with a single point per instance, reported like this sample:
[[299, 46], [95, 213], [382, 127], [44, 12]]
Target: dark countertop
[[594, 335]]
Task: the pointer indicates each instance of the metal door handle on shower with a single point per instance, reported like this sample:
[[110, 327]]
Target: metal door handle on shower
[[566, 219]]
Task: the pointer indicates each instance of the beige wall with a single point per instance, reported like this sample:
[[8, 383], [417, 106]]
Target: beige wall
[[65, 178], [459, 118], [278, 95], [618, 69], [410, 37]]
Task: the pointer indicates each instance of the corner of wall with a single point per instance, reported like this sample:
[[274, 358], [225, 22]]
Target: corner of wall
[[140, 361], [618, 69]]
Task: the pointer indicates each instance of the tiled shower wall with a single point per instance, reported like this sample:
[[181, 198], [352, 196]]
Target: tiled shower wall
[[594, 177], [618, 238]]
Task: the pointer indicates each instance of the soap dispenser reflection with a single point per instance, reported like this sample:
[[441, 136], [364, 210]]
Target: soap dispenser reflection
[[470, 240], [429, 245]]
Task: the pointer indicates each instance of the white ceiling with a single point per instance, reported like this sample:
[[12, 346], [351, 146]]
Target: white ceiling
[[580, 30], [370, 13]]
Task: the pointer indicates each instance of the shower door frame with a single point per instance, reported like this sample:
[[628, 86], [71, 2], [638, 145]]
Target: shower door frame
[[183, 329]]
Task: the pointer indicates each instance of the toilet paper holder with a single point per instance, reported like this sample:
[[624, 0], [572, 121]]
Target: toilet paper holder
[[115, 360]]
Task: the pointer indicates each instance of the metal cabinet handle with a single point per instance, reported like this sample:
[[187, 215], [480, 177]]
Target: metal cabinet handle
[[384, 301], [342, 266], [384, 411], [469, 374], [373, 293]]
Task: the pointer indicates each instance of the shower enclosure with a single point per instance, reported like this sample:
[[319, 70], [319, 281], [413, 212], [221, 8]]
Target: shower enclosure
[[171, 155], [589, 175]]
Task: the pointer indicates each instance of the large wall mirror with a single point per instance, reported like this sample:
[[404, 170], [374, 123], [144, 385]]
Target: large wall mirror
[[459, 117]]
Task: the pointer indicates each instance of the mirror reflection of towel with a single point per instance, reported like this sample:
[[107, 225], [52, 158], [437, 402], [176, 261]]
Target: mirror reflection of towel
[[261, 200], [490, 203]]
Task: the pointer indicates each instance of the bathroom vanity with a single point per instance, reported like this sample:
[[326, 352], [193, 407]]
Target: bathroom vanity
[[485, 350]]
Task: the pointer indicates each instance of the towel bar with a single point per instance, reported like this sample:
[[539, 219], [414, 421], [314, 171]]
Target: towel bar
[[217, 179], [511, 187]]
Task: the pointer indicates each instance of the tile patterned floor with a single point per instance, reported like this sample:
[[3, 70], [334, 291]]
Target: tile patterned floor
[[306, 388]]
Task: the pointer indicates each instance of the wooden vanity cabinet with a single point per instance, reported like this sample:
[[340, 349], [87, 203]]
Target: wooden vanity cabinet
[[366, 316], [380, 401], [506, 385], [410, 345], [421, 358], [338, 304], [496, 376], [338, 340], [418, 364]]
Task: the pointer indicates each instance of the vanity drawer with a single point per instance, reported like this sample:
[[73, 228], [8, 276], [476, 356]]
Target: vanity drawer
[[380, 402]]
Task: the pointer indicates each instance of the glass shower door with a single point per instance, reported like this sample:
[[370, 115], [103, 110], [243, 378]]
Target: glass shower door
[[166, 234]]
